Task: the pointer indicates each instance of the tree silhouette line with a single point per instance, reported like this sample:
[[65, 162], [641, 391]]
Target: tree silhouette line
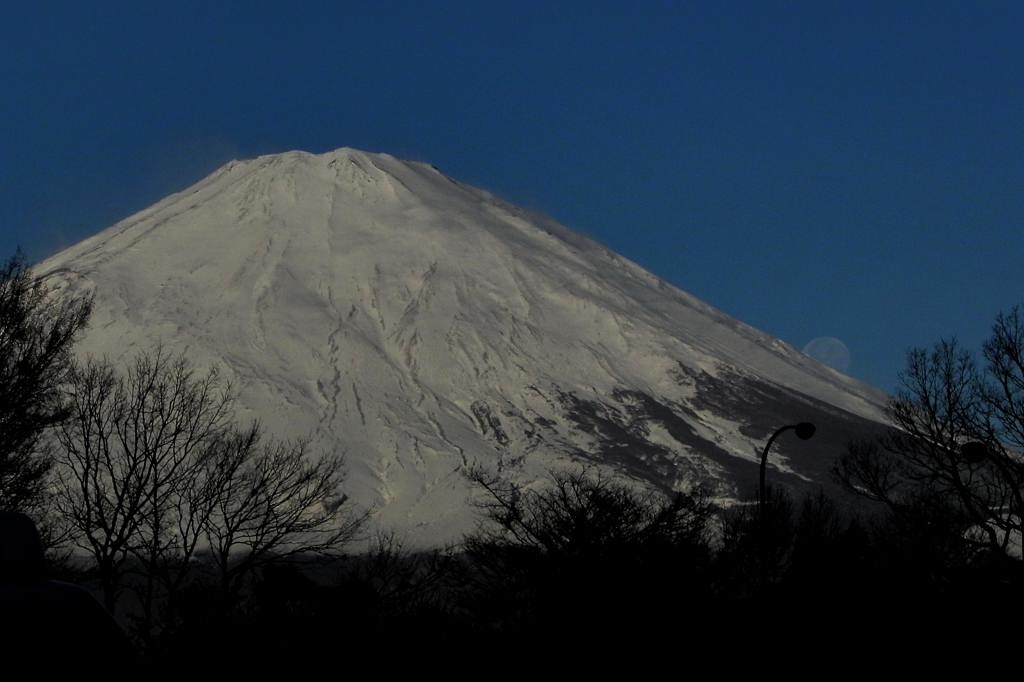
[[208, 537]]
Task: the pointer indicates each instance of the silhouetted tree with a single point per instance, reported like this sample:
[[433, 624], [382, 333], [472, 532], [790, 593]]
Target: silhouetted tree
[[756, 545], [584, 555], [37, 330], [582, 512], [151, 469], [132, 467], [272, 501], [1003, 398], [954, 452], [42, 619], [401, 580]]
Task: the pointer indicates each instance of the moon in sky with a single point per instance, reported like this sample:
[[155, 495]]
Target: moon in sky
[[830, 351]]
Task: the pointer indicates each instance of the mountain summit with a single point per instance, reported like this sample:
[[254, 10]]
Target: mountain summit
[[419, 326]]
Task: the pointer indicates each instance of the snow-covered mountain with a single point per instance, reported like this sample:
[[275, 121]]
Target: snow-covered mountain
[[419, 325]]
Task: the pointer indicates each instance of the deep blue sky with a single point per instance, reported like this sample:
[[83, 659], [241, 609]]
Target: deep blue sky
[[845, 169]]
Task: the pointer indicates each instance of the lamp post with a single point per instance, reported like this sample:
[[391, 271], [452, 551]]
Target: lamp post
[[804, 431]]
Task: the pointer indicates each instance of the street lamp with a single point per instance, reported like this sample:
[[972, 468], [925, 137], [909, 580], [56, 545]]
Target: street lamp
[[804, 431]]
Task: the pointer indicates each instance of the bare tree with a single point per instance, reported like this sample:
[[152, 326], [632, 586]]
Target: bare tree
[[273, 501], [583, 552], [402, 580], [100, 489], [151, 470], [582, 511], [37, 330], [132, 467], [956, 442], [1003, 399], [175, 419]]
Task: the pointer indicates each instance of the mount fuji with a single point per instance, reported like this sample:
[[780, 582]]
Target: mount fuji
[[420, 326]]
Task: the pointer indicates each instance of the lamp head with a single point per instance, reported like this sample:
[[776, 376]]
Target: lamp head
[[804, 430], [974, 452]]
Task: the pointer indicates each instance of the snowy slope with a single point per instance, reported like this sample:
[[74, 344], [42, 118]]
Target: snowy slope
[[418, 325]]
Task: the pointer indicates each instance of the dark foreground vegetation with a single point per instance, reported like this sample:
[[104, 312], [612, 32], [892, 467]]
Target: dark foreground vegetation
[[211, 541]]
